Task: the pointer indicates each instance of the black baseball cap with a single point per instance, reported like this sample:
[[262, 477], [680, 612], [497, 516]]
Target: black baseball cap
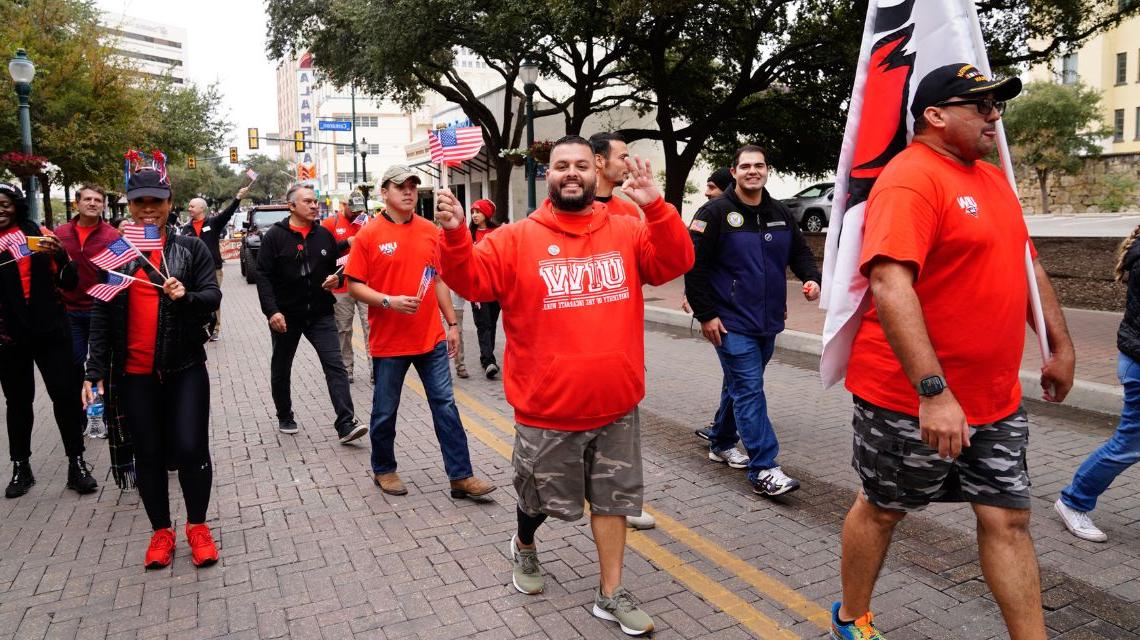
[[148, 182], [722, 178], [960, 79]]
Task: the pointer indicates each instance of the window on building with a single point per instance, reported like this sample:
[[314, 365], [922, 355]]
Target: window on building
[[1069, 68], [367, 121], [1118, 125], [1121, 67], [345, 177]]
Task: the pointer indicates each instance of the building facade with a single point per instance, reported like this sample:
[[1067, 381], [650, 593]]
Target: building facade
[[153, 49]]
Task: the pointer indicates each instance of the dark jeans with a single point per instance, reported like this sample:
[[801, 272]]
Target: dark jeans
[[170, 420], [743, 359], [486, 317], [321, 333], [80, 322], [52, 354], [436, 377]]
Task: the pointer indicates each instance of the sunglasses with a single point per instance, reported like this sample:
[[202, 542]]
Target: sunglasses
[[985, 105]]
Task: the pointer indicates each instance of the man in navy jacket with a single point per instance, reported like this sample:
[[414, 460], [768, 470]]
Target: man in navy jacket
[[745, 240]]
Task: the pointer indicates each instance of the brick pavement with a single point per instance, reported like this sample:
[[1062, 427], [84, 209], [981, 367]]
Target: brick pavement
[[311, 549]]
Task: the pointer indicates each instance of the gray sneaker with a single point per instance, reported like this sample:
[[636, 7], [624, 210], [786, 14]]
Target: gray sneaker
[[526, 573], [622, 609], [730, 456]]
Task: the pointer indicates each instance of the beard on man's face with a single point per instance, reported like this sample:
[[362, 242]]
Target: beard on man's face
[[572, 203]]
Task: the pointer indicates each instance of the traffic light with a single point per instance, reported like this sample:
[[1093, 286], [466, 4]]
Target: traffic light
[[299, 141], [233, 155], [191, 162], [253, 141]]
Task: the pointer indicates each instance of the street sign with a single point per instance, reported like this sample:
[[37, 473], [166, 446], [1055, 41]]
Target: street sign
[[254, 143], [334, 125], [233, 155]]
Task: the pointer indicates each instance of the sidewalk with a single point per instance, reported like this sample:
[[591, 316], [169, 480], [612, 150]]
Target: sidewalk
[[1093, 332]]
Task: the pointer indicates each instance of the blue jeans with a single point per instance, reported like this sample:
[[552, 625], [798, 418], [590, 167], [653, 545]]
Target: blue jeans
[[435, 374], [743, 408], [1120, 452], [80, 322]]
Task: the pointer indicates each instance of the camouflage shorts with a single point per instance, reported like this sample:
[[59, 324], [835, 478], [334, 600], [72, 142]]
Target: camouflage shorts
[[556, 471], [902, 473]]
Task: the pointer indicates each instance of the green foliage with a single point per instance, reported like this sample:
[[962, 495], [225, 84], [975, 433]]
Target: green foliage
[[1050, 126], [1119, 191], [273, 178]]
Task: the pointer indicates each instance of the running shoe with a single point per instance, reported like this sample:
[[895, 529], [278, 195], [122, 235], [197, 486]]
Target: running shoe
[[730, 456], [1079, 523], [861, 629], [161, 549], [622, 609], [203, 551], [774, 482], [526, 572]]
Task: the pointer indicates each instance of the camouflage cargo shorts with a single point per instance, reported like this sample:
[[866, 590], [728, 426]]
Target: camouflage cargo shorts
[[556, 471], [901, 473]]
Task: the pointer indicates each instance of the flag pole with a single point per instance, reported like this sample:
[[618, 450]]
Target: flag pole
[[1007, 166], [126, 277], [145, 259]]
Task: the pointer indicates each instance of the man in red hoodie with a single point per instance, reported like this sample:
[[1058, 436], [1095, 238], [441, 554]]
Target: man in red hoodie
[[569, 281]]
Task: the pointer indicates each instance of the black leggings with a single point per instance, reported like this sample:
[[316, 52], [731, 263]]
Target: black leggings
[[52, 354], [486, 317], [170, 419]]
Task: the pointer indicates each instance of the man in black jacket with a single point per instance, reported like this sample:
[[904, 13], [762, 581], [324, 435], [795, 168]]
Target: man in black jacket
[[210, 229], [295, 276], [744, 241]]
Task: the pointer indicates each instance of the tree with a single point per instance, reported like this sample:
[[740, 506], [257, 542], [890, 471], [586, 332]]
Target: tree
[[1051, 127], [211, 180]]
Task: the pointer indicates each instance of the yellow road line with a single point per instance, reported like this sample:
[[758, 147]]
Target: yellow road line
[[707, 588]]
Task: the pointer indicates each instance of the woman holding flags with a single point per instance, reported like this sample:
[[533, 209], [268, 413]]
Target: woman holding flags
[[34, 330], [147, 346]]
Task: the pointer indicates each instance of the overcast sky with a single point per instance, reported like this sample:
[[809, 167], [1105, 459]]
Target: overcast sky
[[225, 43]]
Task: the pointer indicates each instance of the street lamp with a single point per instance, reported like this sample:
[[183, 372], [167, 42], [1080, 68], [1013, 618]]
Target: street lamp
[[23, 71], [528, 73], [364, 186]]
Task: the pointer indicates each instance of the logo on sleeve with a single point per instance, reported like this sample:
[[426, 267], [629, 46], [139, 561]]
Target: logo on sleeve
[[969, 205], [734, 219], [697, 226]]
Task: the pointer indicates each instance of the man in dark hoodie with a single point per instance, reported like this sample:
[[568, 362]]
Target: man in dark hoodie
[[209, 229], [744, 241], [295, 277]]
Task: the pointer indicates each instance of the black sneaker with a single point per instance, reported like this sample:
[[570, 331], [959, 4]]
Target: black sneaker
[[22, 479], [79, 478], [704, 434], [287, 426], [351, 431], [492, 371], [215, 336]]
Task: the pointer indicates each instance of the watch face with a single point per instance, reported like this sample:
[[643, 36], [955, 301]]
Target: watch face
[[931, 386]]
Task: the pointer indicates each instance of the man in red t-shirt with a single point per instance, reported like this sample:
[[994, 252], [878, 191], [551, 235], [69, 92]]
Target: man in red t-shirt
[[84, 236], [392, 268], [344, 229], [934, 365]]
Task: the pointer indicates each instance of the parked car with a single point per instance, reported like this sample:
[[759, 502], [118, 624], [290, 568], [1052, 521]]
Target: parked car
[[812, 206], [257, 220]]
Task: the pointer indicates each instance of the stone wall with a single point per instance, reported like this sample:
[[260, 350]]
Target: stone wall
[[1082, 192]]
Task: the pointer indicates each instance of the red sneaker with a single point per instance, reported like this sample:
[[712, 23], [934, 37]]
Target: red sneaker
[[202, 548], [161, 549]]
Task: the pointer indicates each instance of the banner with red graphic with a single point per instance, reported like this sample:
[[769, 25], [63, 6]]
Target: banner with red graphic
[[902, 42]]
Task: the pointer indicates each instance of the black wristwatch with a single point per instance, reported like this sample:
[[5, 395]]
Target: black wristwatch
[[931, 386]]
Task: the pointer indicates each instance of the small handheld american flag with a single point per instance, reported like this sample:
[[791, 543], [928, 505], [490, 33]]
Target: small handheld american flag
[[341, 261], [107, 290], [115, 255], [425, 281], [145, 237], [251, 174], [361, 219], [15, 243], [455, 144]]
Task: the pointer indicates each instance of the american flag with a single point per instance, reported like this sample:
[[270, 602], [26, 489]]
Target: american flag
[[425, 281], [115, 255], [15, 243], [361, 219], [145, 237], [341, 261], [455, 144], [251, 174], [106, 291]]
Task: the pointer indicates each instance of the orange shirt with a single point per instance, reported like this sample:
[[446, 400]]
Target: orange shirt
[[83, 233], [621, 207], [142, 320], [961, 228], [390, 258], [341, 229], [304, 231]]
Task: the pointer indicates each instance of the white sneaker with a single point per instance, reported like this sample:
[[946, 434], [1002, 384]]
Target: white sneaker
[[731, 456], [643, 521], [1079, 523], [774, 482]]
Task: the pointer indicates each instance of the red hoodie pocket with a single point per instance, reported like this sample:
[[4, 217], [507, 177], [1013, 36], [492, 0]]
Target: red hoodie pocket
[[586, 386]]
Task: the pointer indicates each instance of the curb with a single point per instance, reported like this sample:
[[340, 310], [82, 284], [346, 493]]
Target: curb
[[1090, 396]]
